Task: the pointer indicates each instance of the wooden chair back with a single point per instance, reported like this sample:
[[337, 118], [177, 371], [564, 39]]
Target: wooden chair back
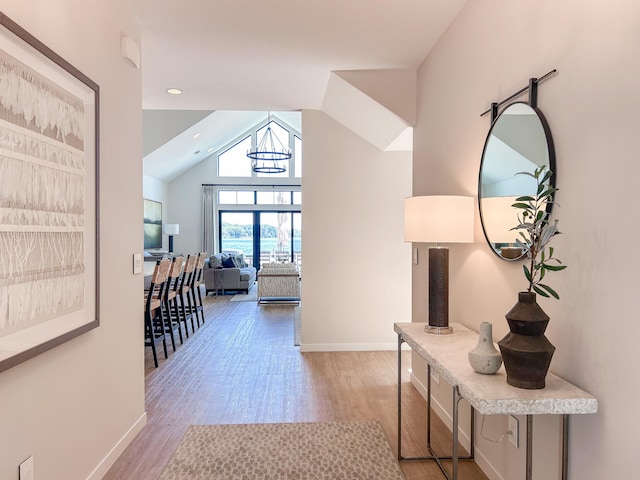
[[197, 274], [161, 271], [176, 267], [187, 273], [158, 284]]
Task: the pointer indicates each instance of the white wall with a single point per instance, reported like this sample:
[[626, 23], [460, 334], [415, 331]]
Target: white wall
[[356, 272], [71, 406], [185, 205], [154, 189], [489, 52]]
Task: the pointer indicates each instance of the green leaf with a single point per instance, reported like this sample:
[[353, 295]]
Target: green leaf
[[547, 176], [524, 206], [548, 194], [525, 198], [527, 273], [526, 173], [540, 291], [550, 290], [555, 268]]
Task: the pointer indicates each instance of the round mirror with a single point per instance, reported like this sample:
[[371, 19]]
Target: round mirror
[[519, 141]]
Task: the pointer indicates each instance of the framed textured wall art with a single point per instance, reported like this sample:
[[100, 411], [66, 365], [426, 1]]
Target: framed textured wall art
[[152, 224], [48, 198]]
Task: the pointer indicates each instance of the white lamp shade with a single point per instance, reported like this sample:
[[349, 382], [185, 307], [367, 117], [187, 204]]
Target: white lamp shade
[[498, 218], [171, 229], [439, 219]]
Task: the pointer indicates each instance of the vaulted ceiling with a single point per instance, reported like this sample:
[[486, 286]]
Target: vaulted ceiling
[[277, 54]]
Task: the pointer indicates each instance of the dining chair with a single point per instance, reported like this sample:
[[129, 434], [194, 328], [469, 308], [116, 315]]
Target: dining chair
[[196, 281], [170, 298], [153, 309], [183, 287]]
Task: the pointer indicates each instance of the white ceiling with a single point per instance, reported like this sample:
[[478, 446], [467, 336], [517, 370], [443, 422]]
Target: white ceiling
[[197, 141], [276, 54]]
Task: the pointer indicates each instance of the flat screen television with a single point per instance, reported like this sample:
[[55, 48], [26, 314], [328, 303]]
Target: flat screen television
[[152, 224]]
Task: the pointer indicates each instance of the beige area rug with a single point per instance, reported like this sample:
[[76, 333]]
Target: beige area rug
[[284, 451]]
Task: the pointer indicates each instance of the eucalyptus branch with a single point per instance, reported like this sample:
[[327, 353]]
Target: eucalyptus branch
[[536, 232]]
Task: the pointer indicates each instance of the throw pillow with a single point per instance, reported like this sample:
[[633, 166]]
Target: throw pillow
[[215, 262], [228, 262], [240, 261]]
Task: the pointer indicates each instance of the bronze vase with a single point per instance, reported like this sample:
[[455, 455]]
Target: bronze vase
[[526, 352]]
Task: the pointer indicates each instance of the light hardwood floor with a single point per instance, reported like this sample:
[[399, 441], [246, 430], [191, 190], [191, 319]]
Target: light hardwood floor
[[242, 367]]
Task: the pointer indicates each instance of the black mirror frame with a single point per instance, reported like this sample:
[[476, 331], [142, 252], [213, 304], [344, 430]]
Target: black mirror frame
[[552, 167]]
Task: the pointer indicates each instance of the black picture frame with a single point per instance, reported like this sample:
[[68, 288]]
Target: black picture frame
[[49, 138]]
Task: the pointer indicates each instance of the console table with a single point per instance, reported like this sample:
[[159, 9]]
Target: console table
[[487, 394]]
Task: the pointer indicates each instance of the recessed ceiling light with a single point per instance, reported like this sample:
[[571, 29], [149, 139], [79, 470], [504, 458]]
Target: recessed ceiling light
[[196, 135], [174, 91], [210, 150]]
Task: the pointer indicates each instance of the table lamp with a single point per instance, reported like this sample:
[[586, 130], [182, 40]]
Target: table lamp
[[498, 219], [171, 229], [438, 219]]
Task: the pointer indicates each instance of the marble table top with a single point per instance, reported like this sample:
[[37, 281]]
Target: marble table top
[[491, 394]]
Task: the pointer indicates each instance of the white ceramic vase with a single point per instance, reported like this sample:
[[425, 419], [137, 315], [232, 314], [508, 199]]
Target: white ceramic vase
[[485, 358]]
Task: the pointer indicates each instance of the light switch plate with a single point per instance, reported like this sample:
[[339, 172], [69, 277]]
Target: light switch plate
[[137, 263]]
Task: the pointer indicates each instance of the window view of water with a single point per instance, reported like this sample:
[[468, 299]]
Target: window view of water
[[246, 244], [268, 250]]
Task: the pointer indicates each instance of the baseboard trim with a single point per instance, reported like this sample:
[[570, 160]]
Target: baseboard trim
[[349, 347], [486, 467], [480, 459], [107, 462]]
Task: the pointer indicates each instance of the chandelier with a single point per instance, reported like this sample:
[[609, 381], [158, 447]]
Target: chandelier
[[270, 153]]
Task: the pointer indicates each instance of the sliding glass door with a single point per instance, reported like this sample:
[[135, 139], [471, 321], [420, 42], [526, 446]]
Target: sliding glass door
[[237, 233], [262, 236]]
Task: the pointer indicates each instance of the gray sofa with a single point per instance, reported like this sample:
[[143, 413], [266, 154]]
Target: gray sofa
[[220, 276]]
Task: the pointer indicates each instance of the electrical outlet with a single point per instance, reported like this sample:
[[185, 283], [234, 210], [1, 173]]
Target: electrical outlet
[[26, 469], [514, 431]]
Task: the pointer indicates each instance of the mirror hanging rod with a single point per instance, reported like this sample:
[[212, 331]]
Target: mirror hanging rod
[[494, 106]]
